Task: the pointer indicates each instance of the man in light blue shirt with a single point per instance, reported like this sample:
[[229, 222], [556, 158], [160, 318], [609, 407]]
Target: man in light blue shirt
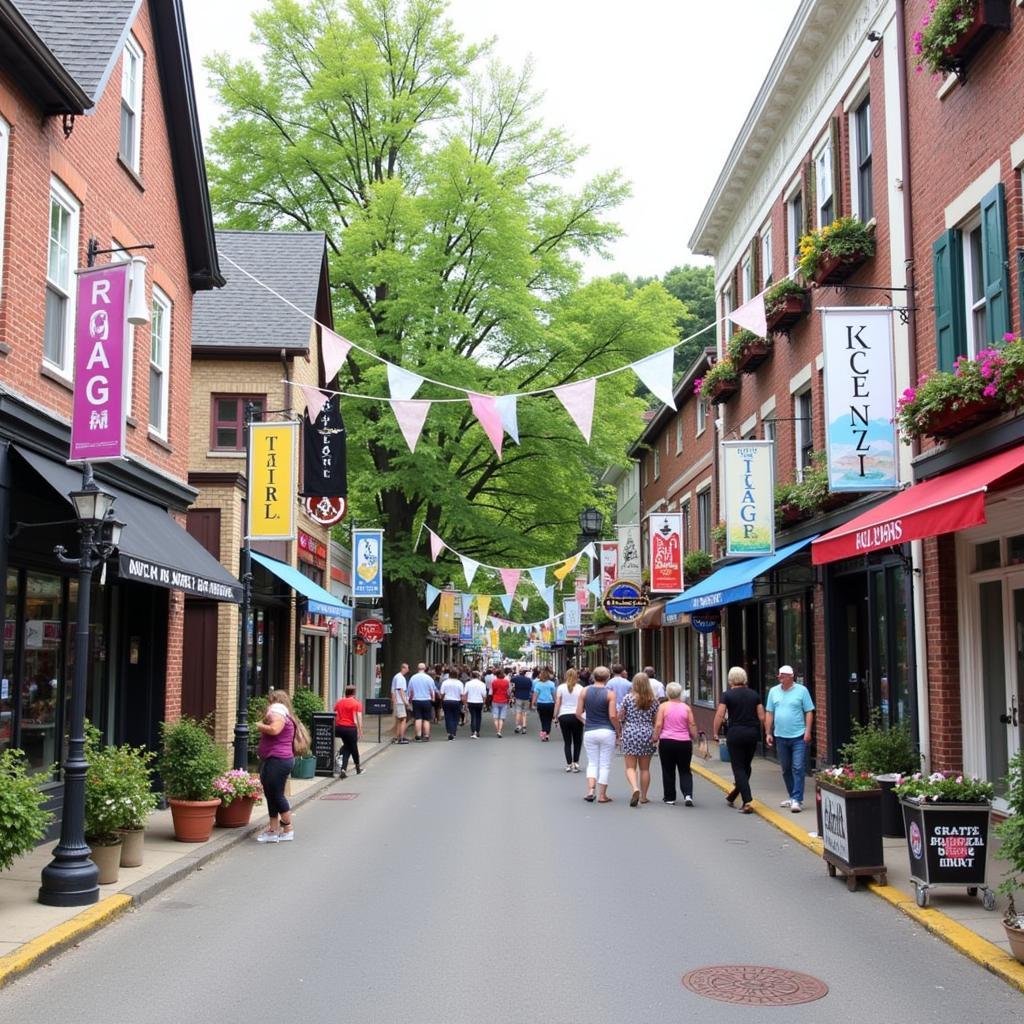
[[789, 715], [620, 684], [421, 692]]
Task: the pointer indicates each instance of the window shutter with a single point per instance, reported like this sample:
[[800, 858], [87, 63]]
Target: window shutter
[[837, 189], [755, 270], [948, 277], [994, 266], [1020, 287], [809, 197]]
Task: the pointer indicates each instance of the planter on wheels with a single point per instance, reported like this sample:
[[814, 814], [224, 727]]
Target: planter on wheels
[[193, 819], [107, 858], [892, 813], [851, 830], [237, 813], [131, 846]]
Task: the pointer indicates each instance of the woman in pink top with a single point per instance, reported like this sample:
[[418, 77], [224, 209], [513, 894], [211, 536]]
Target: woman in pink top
[[276, 762], [674, 730]]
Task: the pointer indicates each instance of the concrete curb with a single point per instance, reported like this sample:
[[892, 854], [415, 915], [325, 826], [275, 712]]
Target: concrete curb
[[962, 939], [45, 947]]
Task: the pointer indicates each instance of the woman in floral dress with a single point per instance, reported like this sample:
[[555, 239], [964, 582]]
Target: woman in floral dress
[[637, 714]]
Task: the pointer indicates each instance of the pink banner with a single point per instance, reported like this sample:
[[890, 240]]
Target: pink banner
[[609, 564], [486, 410], [98, 412], [334, 350], [582, 594], [510, 580], [578, 400]]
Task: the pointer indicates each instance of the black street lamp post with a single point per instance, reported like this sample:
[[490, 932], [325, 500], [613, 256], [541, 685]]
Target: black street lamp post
[[241, 749], [70, 879], [591, 527]]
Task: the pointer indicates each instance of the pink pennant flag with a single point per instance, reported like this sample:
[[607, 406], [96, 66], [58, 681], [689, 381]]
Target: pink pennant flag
[[315, 400], [578, 400], [510, 578], [436, 545], [334, 350], [486, 410], [751, 315], [411, 416]]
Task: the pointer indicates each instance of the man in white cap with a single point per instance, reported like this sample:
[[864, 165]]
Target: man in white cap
[[788, 717]]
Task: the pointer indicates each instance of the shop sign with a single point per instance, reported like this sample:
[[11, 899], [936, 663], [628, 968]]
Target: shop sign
[[860, 400], [624, 601], [748, 468], [146, 570], [833, 825], [368, 563], [272, 480], [666, 554], [326, 511], [571, 618], [705, 622], [582, 594], [312, 550], [371, 630], [323, 462], [98, 406], [630, 567], [609, 552]]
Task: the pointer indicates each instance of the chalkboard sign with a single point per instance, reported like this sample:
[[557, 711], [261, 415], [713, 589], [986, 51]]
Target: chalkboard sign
[[378, 706], [323, 742]]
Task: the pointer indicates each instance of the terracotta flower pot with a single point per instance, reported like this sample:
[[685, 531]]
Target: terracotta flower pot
[[1015, 936], [131, 846], [235, 814], [193, 819], [108, 859]]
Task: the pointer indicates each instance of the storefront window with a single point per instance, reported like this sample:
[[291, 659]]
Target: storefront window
[[770, 663], [97, 661], [43, 669], [7, 676], [986, 556], [704, 673], [993, 675], [1014, 550], [794, 649]]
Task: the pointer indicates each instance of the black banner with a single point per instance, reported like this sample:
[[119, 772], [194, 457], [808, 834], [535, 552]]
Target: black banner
[[323, 453]]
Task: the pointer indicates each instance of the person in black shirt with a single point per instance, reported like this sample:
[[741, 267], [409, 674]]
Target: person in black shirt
[[522, 692], [746, 719]]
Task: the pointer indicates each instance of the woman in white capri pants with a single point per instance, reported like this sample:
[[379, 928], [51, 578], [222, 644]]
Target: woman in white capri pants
[[596, 709]]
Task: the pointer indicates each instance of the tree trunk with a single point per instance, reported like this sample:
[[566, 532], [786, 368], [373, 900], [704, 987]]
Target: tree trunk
[[408, 638]]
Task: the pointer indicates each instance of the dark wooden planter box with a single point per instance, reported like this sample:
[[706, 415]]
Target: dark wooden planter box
[[722, 391], [752, 356], [790, 514], [787, 312], [837, 499], [953, 421], [851, 829], [989, 17], [836, 269]]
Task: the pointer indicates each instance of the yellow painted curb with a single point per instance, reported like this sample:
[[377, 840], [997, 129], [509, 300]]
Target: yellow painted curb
[[962, 939], [62, 936]]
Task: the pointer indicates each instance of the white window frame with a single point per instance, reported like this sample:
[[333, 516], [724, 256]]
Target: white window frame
[[803, 428], [5, 141], [166, 308], [855, 155], [119, 255], [796, 229], [702, 417], [61, 196], [728, 305], [656, 468], [766, 255], [823, 157], [133, 104], [971, 307], [679, 435], [747, 277]]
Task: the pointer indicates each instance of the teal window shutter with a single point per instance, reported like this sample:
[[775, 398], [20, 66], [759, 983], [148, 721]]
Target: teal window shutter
[[948, 277], [994, 263]]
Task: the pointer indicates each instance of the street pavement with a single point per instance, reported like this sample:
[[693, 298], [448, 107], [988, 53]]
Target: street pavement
[[470, 882]]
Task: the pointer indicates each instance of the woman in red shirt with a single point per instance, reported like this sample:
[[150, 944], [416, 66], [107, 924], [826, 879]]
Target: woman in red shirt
[[499, 700], [348, 727]]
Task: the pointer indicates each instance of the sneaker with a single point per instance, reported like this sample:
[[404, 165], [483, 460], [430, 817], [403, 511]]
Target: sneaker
[[426, 739], [568, 767], [342, 774], [688, 800], [786, 803], [450, 737], [359, 771], [268, 837], [499, 735], [516, 730], [474, 736], [418, 739], [671, 803], [795, 807], [402, 742], [286, 837], [576, 768]]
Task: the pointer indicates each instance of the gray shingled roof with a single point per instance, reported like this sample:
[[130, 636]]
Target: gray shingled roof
[[86, 37], [243, 314]]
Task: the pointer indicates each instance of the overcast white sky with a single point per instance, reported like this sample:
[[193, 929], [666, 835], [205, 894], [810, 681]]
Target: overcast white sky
[[658, 88]]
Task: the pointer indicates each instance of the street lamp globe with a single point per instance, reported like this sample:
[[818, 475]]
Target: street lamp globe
[[591, 522], [91, 504]]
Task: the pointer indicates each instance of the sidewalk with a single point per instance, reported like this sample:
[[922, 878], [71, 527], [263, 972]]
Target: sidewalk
[[952, 915], [31, 934]]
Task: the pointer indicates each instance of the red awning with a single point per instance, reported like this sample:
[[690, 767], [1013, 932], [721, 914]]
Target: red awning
[[953, 501]]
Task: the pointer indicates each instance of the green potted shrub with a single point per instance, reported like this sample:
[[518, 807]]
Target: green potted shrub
[[23, 820], [784, 304], [719, 384], [239, 792], [748, 351], [306, 704], [103, 813], [829, 255], [1011, 833], [696, 565], [849, 805], [953, 30], [189, 764]]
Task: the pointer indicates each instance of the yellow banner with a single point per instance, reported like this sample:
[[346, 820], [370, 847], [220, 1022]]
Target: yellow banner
[[566, 567], [273, 481], [483, 603], [446, 613], [495, 643]]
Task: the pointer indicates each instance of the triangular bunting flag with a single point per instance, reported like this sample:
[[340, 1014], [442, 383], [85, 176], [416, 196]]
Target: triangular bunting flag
[[469, 567], [483, 602], [525, 603], [590, 551], [549, 597], [655, 372], [315, 400], [594, 586], [436, 545], [750, 315], [411, 417], [401, 383], [509, 412], [432, 595], [506, 601], [539, 575], [486, 411], [510, 580], [566, 567], [334, 349], [578, 400]]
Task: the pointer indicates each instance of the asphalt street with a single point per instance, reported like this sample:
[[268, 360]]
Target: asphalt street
[[470, 882]]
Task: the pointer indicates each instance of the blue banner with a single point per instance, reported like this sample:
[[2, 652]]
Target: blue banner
[[367, 563]]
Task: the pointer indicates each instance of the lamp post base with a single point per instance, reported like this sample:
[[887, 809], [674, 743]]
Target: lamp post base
[[71, 879]]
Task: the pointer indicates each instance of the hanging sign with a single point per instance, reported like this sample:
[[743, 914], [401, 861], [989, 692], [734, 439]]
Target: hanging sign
[[582, 594], [466, 623], [359, 647], [571, 620], [609, 552], [371, 630], [323, 453], [705, 622], [630, 567], [748, 469], [624, 601], [860, 404], [368, 563], [272, 480], [326, 511], [666, 554], [98, 407]]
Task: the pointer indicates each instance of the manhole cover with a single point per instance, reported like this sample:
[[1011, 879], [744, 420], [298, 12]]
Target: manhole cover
[[339, 796], [750, 985]]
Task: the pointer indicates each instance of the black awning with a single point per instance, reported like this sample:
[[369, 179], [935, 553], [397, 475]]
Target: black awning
[[154, 548]]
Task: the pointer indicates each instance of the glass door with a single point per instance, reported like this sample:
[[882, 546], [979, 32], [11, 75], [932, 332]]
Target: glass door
[[1015, 690]]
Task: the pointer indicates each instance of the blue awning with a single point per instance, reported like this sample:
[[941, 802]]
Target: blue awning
[[318, 600], [731, 583]]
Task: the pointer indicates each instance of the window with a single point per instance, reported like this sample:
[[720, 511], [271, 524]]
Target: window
[[795, 218], [131, 104], [62, 256], [644, 464], [657, 463], [823, 186], [974, 287], [747, 276], [227, 420], [770, 435], [704, 519], [702, 416], [159, 362], [120, 256], [766, 256], [679, 435], [863, 188], [728, 305], [687, 526], [804, 433], [5, 136]]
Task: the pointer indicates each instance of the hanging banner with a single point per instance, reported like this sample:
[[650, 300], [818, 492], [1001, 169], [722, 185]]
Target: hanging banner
[[666, 554], [446, 612], [323, 453], [609, 560], [368, 562], [571, 618], [456, 614], [630, 567], [466, 624], [98, 407], [272, 480], [748, 469], [860, 400], [582, 594]]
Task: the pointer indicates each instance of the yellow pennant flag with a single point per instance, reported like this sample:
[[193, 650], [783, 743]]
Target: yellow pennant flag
[[566, 567], [483, 603], [494, 639], [446, 613]]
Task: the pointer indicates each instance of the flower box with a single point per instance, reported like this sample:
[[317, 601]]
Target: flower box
[[850, 825], [753, 355], [955, 419], [989, 16], [790, 514], [786, 312], [836, 269], [722, 390]]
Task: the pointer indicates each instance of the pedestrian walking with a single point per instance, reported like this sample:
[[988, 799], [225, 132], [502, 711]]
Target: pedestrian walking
[[348, 727], [656, 684], [543, 699], [600, 733], [674, 730], [746, 717], [522, 692], [566, 698], [476, 695], [453, 694], [421, 692], [277, 758], [636, 717], [620, 683], [400, 703], [499, 700], [789, 715]]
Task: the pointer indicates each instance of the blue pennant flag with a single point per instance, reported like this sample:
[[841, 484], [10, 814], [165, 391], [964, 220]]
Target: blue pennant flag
[[506, 601], [539, 575], [432, 595]]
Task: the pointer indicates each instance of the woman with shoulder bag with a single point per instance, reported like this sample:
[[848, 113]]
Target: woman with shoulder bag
[[281, 737], [745, 712]]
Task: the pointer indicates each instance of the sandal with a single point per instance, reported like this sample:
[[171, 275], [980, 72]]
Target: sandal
[[635, 798], [605, 800], [590, 798]]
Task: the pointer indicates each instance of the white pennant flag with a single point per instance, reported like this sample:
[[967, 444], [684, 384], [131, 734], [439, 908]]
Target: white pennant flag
[[509, 415], [334, 349], [655, 372], [469, 568], [315, 400], [751, 315], [578, 400], [402, 384]]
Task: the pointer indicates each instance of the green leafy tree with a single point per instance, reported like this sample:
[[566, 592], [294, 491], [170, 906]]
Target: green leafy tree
[[455, 250]]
